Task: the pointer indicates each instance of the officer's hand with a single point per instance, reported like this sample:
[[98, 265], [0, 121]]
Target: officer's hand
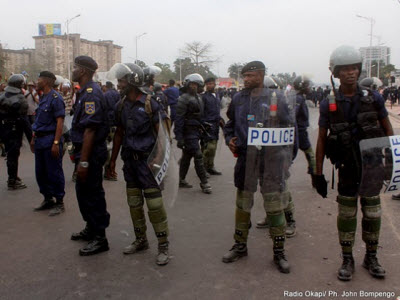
[[321, 185], [181, 144], [32, 144], [81, 174], [112, 168], [221, 123], [55, 151], [232, 145]]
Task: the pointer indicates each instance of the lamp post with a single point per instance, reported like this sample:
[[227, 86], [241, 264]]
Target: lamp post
[[372, 21], [138, 37], [68, 60]]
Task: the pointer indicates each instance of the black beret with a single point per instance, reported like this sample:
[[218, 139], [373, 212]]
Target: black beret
[[209, 79], [86, 62], [47, 74], [109, 84], [253, 66]]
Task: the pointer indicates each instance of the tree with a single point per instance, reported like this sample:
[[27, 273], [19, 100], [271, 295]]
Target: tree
[[199, 54], [166, 73], [2, 64], [287, 78], [385, 71], [185, 66], [235, 69]]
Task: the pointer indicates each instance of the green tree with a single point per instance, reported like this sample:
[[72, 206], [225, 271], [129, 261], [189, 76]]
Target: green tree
[[385, 71], [166, 73], [185, 66], [235, 69]]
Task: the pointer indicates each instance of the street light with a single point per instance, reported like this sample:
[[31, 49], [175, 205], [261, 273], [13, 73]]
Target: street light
[[68, 60], [138, 37], [372, 21]]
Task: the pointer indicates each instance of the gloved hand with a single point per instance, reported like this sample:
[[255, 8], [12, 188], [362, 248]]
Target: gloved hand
[[181, 144], [321, 185]]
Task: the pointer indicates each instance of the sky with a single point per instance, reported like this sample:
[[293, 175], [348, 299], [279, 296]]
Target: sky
[[287, 35]]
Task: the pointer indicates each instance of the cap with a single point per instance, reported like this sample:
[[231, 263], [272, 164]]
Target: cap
[[253, 66], [47, 74], [86, 62]]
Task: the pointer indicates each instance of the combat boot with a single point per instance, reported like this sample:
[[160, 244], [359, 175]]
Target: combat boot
[[97, 245], [281, 261], [346, 271], [206, 188], [212, 171], [15, 184], [372, 265], [237, 251], [47, 203], [184, 184], [263, 223], [140, 244], [58, 208], [163, 256], [84, 235]]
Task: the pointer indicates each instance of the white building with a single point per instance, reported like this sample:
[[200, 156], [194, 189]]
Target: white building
[[375, 53]]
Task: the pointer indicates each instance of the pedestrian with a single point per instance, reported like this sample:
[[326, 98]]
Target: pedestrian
[[353, 115], [32, 98], [47, 145], [88, 134]]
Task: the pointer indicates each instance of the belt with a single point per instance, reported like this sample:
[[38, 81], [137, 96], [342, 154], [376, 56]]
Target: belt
[[44, 133], [140, 155]]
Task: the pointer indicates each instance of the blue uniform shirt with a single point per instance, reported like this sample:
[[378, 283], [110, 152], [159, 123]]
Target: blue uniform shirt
[[90, 112], [351, 108], [172, 94], [112, 97], [302, 115], [140, 135], [212, 112]]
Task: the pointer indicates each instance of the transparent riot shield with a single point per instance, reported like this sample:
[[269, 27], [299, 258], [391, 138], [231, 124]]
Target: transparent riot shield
[[271, 138], [162, 164], [380, 160], [118, 71]]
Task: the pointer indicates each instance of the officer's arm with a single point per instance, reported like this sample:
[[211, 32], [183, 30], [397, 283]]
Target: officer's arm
[[88, 140], [229, 129], [320, 152], [387, 126], [117, 142], [180, 118], [59, 128]]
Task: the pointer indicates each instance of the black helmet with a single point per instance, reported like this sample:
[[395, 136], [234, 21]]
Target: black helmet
[[150, 73], [16, 81], [157, 87], [196, 78], [301, 83]]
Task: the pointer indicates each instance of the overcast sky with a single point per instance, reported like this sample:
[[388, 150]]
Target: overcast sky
[[287, 35]]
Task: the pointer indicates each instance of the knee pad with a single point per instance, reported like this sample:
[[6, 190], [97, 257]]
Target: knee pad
[[276, 201], [135, 197], [371, 207], [153, 198], [347, 207], [244, 200], [242, 225]]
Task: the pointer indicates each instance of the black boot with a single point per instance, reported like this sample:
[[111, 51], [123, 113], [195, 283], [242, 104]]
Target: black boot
[[372, 265], [58, 208], [84, 235], [97, 245], [213, 171], [184, 184], [47, 203], [346, 271], [281, 261], [237, 251]]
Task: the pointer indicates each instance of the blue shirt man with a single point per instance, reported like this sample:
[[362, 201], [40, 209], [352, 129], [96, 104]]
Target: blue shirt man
[[47, 145], [172, 94]]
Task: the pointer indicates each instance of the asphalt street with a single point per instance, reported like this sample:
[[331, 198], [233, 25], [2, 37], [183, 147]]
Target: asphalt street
[[39, 261]]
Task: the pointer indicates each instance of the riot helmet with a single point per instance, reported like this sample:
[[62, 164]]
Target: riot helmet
[[270, 83], [344, 56], [196, 78], [16, 80], [150, 73], [157, 87], [302, 83]]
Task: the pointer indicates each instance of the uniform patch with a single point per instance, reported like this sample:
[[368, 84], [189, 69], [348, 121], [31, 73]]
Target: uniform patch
[[250, 117], [89, 90], [90, 108]]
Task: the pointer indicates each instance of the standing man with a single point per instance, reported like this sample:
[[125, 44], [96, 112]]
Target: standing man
[[47, 145], [13, 124], [188, 130], [137, 127], [33, 100], [268, 166], [212, 115], [88, 134], [353, 115], [172, 94]]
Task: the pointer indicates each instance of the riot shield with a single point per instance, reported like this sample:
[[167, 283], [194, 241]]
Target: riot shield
[[162, 164], [380, 160], [271, 138]]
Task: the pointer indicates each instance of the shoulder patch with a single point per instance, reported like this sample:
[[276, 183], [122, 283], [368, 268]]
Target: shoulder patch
[[55, 95], [89, 90], [90, 108]]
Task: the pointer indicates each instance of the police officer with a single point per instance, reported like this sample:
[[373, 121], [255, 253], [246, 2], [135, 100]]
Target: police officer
[[160, 96], [47, 145], [112, 97], [149, 74], [13, 124], [137, 124], [212, 115], [172, 93], [275, 192], [354, 114], [88, 134], [188, 130]]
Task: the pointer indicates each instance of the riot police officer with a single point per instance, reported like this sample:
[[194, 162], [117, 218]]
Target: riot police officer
[[160, 96], [13, 124], [212, 115], [172, 93], [137, 124], [88, 134], [188, 130], [268, 167], [352, 115], [47, 145]]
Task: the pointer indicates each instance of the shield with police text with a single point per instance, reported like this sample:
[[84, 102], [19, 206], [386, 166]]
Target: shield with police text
[[380, 165], [163, 165], [270, 143]]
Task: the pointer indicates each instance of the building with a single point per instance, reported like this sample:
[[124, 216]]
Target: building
[[375, 53], [16, 61], [51, 52]]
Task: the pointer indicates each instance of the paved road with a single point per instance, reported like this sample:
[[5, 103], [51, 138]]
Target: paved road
[[38, 261]]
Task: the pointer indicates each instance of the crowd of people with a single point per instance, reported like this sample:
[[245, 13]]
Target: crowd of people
[[266, 125]]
